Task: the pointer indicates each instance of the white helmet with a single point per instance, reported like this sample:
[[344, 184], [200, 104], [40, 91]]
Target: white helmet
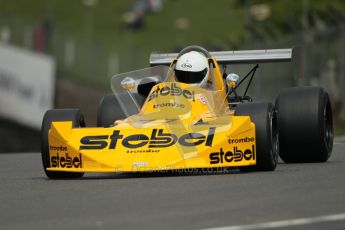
[[192, 68]]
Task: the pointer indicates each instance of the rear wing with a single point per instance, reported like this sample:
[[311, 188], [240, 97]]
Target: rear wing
[[238, 57]]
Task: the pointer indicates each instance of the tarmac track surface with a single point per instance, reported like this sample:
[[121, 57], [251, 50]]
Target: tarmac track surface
[[276, 200]]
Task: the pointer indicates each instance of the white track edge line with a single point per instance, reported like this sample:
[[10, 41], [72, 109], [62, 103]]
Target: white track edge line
[[284, 223]]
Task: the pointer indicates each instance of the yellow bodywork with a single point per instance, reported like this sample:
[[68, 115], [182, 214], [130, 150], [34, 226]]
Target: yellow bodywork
[[178, 127]]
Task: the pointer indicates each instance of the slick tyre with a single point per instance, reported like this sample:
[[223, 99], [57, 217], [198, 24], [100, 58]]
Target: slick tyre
[[58, 115], [305, 124], [112, 108], [263, 116]]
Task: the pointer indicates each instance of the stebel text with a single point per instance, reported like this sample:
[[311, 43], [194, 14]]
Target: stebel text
[[235, 155], [157, 139]]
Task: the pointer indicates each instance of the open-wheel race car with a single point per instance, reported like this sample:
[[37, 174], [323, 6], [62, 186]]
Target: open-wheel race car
[[154, 122]]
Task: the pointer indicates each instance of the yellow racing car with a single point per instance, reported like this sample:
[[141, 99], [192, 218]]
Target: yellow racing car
[[153, 122]]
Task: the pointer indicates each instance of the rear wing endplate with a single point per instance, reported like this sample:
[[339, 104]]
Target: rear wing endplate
[[237, 57]]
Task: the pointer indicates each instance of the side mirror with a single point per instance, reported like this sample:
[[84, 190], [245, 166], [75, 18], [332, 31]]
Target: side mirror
[[232, 79], [128, 83]]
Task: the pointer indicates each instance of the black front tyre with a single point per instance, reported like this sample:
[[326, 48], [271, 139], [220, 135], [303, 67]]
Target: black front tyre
[[58, 115], [263, 116], [305, 125]]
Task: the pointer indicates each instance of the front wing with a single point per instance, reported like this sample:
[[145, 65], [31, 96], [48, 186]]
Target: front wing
[[129, 149]]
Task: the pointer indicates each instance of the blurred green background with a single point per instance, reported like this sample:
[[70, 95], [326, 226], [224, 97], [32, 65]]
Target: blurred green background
[[94, 39], [91, 40]]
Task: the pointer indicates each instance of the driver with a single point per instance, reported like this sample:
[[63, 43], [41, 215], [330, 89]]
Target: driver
[[192, 68]]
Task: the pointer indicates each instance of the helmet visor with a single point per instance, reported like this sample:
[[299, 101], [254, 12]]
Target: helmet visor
[[190, 77]]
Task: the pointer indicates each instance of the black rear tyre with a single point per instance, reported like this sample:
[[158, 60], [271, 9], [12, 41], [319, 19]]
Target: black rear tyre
[[263, 116], [305, 125], [58, 115], [110, 109]]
